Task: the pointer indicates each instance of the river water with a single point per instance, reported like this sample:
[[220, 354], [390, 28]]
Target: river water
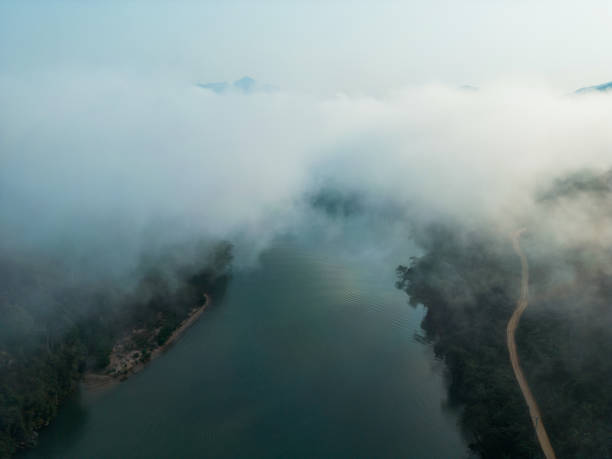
[[312, 353]]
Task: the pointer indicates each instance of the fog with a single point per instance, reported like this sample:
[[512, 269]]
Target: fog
[[110, 163], [111, 147], [149, 150]]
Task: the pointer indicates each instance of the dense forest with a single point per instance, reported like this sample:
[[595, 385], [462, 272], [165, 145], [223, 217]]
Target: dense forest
[[53, 331], [468, 279]]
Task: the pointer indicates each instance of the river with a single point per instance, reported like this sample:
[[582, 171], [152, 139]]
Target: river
[[311, 353]]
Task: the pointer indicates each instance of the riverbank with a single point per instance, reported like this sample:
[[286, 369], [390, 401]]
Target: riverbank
[[126, 359], [309, 316]]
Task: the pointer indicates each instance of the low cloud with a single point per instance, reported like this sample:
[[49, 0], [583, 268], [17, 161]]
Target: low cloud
[[108, 163]]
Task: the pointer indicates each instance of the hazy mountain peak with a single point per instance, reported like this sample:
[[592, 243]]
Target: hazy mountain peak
[[245, 85], [600, 87]]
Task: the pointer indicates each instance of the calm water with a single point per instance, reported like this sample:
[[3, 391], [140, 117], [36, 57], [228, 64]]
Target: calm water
[[310, 355]]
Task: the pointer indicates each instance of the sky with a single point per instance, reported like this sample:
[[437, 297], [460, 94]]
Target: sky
[[323, 47], [111, 149], [107, 142]]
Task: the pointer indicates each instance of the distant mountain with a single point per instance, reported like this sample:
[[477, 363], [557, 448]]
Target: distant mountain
[[216, 87], [245, 85], [600, 87]]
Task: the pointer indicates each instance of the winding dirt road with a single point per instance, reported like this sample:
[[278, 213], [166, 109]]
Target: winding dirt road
[[521, 305]]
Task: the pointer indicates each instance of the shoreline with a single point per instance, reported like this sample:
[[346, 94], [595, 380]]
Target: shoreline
[[93, 381]]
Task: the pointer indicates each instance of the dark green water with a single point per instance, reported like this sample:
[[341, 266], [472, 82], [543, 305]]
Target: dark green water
[[312, 354]]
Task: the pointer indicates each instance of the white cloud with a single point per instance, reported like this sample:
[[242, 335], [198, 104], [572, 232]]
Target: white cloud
[[82, 153]]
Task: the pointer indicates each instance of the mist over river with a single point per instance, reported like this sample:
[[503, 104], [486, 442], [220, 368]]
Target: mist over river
[[311, 353]]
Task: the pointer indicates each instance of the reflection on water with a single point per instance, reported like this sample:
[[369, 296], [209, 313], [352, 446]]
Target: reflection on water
[[312, 354]]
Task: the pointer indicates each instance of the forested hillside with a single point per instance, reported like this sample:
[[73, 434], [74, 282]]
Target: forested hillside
[[469, 282], [52, 331]]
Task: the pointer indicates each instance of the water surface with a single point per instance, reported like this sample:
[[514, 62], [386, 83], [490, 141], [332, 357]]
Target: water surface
[[312, 354]]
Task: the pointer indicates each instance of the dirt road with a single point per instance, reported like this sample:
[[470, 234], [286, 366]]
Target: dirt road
[[521, 305]]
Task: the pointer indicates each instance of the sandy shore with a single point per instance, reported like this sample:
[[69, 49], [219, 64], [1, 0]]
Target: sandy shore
[[95, 381], [185, 324], [98, 381]]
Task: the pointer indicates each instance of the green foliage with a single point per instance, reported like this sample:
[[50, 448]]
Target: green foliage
[[469, 291], [469, 284], [578, 183], [48, 340], [146, 356], [164, 334]]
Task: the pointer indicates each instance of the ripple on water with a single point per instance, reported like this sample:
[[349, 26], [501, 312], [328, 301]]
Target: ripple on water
[[311, 355]]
